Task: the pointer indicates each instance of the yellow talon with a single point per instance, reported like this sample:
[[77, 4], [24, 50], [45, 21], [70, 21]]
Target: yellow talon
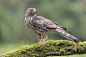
[[41, 40]]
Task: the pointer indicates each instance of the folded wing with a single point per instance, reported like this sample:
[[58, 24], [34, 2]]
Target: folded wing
[[46, 24]]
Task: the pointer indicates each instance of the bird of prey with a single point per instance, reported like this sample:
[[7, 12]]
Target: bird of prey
[[41, 26]]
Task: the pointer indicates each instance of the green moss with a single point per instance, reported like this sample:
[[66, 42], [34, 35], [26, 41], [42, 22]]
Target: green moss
[[59, 47]]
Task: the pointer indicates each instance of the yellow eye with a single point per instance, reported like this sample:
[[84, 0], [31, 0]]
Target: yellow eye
[[31, 10]]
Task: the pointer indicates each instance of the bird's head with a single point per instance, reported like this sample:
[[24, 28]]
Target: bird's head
[[30, 12]]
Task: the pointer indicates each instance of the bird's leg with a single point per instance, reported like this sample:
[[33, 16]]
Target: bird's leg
[[39, 37], [39, 40], [43, 37]]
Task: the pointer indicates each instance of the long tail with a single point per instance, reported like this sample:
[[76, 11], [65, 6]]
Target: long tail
[[67, 35]]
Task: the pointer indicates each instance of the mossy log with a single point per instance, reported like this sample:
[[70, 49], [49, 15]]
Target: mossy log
[[49, 48]]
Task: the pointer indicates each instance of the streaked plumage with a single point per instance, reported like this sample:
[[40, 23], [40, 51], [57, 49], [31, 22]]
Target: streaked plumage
[[41, 26]]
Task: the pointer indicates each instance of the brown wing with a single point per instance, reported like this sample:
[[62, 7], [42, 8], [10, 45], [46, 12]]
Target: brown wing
[[45, 23]]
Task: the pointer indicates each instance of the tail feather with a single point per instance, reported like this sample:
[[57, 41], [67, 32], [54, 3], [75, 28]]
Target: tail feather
[[67, 35]]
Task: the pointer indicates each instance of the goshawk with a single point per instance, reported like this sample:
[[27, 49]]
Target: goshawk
[[41, 26]]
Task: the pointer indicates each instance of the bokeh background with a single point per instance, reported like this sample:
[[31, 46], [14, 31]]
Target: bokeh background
[[70, 14]]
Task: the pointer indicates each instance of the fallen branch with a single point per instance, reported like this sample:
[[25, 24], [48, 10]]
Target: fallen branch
[[49, 48]]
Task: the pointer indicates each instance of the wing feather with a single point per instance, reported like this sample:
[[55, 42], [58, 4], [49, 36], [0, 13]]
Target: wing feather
[[44, 23]]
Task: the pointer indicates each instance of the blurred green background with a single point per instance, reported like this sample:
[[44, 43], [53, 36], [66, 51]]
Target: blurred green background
[[70, 14]]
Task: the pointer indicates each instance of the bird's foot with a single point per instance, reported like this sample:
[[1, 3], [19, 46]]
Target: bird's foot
[[41, 40]]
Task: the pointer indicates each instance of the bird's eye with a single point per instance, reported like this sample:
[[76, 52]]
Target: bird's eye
[[31, 10]]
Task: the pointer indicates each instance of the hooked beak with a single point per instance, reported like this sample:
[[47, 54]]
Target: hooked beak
[[34, 11]]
